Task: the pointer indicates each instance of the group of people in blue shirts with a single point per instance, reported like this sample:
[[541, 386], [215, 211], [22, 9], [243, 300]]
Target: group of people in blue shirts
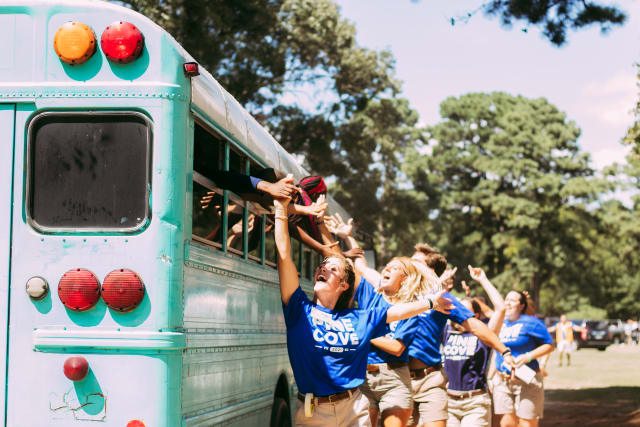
[[397, 348]]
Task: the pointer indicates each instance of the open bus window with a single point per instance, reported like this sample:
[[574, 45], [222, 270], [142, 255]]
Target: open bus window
[[235, 227], [270, 255], [89, 171], [207, 212]]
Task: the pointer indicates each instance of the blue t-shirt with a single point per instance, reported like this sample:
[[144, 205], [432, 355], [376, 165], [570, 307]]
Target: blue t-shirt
[[426, 343], [465, 360], [403, 330], [328, 349], [524, 334]]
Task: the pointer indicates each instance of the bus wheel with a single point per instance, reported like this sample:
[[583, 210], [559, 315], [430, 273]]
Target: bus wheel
[[280, 415]]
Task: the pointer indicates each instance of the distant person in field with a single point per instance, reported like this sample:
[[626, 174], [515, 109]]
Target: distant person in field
[[564, 337]]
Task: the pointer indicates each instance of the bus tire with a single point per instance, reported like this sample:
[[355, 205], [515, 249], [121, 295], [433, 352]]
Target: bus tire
[[280, 415]]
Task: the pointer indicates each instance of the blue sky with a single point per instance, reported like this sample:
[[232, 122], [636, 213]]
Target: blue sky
[[592, 78]]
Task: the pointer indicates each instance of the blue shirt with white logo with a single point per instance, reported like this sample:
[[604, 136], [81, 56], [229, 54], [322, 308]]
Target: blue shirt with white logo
[[403, 330], [465, 360], [426, 343], [524, 334], [328, 349]]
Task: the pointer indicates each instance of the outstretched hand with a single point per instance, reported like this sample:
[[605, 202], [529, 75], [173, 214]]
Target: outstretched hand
[[337, 226], [466, 288], [282, 201], [281, 189], [353, 253], [448, 274], [442, 304], [477, 273]]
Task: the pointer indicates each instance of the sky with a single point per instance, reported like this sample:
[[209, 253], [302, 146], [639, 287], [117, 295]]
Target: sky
[[592, 78]]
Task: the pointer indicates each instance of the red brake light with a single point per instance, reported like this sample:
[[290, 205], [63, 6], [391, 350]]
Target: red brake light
[[79, 289], [135, 423], [122, 42], [583, 334], [122, 290], [76, 368], [191, 69]]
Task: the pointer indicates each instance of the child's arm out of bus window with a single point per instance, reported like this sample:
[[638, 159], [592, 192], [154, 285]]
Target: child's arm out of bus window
[[324, 250], [286, 267]]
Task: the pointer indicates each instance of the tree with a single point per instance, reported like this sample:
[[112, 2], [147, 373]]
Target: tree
[[509, 187], [554, 17], [357, 127]]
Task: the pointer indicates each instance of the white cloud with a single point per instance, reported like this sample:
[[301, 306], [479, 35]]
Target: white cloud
[[607, 156], [611, 101]]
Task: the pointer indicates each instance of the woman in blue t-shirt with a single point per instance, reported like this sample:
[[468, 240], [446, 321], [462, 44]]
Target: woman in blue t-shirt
[[327, 341], [466, 359], [518, 401]]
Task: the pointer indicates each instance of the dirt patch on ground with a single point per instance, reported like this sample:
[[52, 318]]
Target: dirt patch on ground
[[608, 406]]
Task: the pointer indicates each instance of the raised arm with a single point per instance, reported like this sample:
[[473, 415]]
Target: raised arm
[[487, 336], [286, 268], [496, 320], [343, 230], [409, 309], [392, 346]]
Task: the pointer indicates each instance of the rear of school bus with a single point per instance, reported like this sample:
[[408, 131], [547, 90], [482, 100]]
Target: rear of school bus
[[92, 206]]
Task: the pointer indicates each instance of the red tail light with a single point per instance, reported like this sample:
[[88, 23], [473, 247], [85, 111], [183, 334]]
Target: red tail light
[[79, 289], [583, 334], [76, 368], [122, 42], [122, 290]]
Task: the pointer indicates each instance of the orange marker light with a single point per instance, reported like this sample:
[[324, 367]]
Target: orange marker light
[[74, 43]]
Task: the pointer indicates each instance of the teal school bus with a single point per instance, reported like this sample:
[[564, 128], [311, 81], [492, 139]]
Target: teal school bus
[[133, 291]]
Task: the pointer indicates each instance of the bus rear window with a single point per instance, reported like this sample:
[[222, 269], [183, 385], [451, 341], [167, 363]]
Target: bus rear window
[[89, 172]]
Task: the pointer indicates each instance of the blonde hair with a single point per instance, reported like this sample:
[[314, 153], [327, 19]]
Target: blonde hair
[[414, 287]]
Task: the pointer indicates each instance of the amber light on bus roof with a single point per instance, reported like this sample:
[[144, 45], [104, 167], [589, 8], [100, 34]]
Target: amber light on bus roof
[[74, 43], [122, 42], [79, 289]]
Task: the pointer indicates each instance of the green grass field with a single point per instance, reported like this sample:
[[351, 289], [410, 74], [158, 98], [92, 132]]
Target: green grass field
[[600, 388]]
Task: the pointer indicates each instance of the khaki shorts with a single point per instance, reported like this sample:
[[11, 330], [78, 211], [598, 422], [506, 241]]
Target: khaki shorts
[[351, 412], [430, 397], [565, 346], [526, 400], [388, 388], [474, 411]]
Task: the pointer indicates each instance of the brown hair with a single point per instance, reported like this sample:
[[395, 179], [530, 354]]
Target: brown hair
[[425, 248], [437, 262], [349, 276]]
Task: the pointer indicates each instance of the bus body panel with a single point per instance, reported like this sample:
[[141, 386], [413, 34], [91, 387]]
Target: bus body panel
[[7, 118], [236, 339], [115, 344]]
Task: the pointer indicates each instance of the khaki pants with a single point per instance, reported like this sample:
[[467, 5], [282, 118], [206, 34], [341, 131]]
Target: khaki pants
[[515, 396], [388, 388], [430, 397], [474, 411], [351, 412]]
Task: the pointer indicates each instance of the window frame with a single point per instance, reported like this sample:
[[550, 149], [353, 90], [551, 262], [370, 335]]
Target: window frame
[[28, 191]]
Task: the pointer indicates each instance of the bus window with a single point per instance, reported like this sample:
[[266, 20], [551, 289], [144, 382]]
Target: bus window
[[235, 232], [270, 255], [254, 229], [306, 262], [295, 253], [207, 152], [207, 211], [75, 171]]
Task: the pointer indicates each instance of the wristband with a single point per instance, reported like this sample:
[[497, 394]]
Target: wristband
[[507, 351], [430, 301], [281, 217], [529, 358]]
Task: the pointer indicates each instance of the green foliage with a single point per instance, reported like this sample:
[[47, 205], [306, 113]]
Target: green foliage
[[510, 187], [555, 17]]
